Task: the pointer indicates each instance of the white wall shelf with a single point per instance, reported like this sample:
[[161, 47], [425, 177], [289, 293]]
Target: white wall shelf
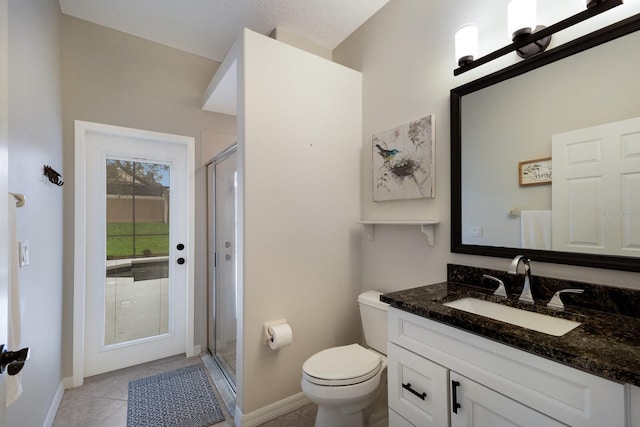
[[427, 227]]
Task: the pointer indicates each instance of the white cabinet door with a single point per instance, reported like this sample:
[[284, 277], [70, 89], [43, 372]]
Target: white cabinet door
[[478, 406], [417, 388]]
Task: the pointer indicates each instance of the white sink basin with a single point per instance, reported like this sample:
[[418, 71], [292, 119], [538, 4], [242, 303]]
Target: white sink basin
[[526, 319]]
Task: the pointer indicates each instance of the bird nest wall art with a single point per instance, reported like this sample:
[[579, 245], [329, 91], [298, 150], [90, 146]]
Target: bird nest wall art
[[403, 162]]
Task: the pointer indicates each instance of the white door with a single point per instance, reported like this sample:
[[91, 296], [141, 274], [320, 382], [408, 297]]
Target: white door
[[478, 406], [596, 182], [137, 248]]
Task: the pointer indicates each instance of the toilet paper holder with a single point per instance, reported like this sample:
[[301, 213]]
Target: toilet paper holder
[[267, 337]]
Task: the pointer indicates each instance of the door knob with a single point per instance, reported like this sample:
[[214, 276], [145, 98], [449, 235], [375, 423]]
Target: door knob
[[13, 361]]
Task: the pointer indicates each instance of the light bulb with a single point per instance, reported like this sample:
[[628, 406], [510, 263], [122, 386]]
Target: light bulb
[[521, 17], [466, 40]]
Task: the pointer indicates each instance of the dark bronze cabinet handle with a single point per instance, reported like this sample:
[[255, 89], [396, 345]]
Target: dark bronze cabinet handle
[[454, 401], [407, 386]]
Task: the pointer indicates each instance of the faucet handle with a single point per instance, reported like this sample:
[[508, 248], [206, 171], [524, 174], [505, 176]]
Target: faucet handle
[[556, 303], [501, 291]]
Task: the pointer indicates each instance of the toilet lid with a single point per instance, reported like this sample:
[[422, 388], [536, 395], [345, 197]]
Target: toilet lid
[[349, 364]]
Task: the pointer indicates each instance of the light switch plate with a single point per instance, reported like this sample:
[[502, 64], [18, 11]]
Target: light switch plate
[[24, 253], [476, 231]]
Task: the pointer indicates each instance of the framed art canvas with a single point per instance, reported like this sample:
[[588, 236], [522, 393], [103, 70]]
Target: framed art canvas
[[403, 161]]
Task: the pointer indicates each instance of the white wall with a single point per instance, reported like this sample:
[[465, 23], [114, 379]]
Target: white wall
[[406, 55], [299, 141], [35, 139], [114, 78]]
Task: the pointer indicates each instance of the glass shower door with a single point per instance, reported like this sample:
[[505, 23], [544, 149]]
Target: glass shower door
[[223, 274]]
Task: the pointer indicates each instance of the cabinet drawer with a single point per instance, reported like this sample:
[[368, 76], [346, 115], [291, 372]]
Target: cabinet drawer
[[417, 388]]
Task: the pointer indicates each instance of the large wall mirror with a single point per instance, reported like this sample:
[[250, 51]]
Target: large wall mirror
[[511, 192]]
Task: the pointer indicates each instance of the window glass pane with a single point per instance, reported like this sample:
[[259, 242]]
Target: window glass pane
[[137, 262]]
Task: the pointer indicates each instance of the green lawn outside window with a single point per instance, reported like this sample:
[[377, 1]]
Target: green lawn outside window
[[151, 239]]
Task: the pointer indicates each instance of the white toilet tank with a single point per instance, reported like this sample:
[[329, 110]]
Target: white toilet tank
[[373, 314]]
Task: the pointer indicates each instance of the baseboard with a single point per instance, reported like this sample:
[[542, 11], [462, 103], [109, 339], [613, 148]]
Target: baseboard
[[55, 404], [269, 412], [67, 382]]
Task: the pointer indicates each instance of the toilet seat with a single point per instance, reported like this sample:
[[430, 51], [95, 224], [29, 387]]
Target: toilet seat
[[340, 366]]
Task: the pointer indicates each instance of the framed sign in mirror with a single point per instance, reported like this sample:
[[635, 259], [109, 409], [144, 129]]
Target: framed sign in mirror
[[534, 172]]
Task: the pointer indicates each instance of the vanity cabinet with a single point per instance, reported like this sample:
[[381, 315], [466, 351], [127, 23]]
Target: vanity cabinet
[[419, 390], [433, 368]]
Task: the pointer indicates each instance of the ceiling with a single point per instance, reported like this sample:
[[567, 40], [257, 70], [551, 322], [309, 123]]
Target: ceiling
[[209, 27]]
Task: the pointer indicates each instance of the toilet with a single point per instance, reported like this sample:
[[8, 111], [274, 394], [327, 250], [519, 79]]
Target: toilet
[[349, 383]]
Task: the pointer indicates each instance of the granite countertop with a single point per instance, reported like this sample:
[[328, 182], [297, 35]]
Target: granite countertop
[[606, 344]]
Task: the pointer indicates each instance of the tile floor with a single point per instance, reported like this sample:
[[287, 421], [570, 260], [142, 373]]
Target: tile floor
[[102, 400]]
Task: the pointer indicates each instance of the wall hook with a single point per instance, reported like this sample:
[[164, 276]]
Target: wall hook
[[53, 176]]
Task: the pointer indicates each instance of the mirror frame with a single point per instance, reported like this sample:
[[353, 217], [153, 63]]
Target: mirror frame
[[596, 38]]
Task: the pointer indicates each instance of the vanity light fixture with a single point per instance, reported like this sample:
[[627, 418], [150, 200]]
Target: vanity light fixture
[[528, 38]]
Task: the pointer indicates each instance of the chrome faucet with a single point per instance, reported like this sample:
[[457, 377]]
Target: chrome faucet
[[525, 296]]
